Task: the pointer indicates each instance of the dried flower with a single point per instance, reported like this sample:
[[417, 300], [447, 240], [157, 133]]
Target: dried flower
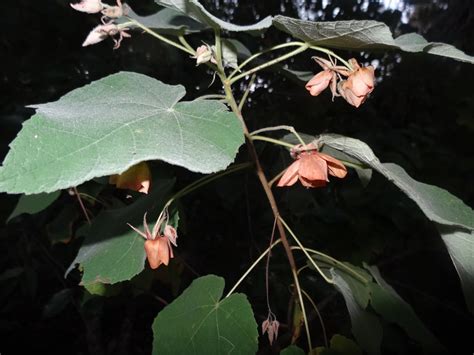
[[358, 85], [311, 168], [158, 246], [136, 178], [319, 82], [204, 54], [114, 11], [270, 326], [101, 32], [89, 6]]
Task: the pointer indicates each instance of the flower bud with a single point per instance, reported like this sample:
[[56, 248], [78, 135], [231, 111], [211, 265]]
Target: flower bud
[[88, 6], [319, 82], [204, 54], [99, 33]]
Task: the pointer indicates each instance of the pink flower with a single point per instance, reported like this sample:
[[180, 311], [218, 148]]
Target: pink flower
[[358, 85], [101, 32], [319, 82], [270, 326], [311, 168], [89, 6], [204, 54]]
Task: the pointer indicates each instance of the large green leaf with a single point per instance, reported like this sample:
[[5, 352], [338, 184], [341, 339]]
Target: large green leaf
[[199, 322], [112, 251], [363, 35], [386, 302], [112, 124], [437, 204], [168, 21], [366, 326], [195, 10]]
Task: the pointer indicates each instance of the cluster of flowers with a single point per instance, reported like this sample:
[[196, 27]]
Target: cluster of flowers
[[355, 89], [108, 28]]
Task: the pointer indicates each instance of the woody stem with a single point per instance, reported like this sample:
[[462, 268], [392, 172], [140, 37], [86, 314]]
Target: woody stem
[[260, 173]]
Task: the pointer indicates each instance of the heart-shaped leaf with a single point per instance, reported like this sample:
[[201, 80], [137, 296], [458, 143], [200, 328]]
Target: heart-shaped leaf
[[106, 127], [200, 322]]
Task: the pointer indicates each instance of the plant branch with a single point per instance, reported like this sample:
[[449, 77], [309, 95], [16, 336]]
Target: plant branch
[[271, 140], [300, 49], [256, 55], [246, 93], [242, 278], [303, 310], [290, 129], [319, 316], [161, 38]]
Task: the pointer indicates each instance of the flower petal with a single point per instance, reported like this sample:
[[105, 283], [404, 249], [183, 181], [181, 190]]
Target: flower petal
[[312, 167], [335, 167], [290, 176], [88, 6]]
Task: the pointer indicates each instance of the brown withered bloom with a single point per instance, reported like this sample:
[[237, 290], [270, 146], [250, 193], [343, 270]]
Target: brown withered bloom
[[311, 168], [158, 247], [358, 85]]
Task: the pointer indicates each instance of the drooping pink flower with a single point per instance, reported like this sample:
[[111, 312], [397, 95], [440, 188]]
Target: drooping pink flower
[[270, 326], [88, 6], [157, 246], [319, 82], [358, 85], [101, 32], [204, 54], [311, 168]]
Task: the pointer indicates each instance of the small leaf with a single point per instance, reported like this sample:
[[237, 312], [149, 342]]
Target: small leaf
[[365, 326], [112, 251], [292, 350], [195, 10], [32, 204], [363, 35], [106, 127], [167, 21], [339, 345], [199, 322]]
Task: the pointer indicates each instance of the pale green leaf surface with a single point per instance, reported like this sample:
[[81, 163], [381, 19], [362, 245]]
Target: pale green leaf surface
[[386, 302], [112, 251], [168, 21], [460, 244], [363, 35], [195, 10], [340, 345], [116, 122], [32, 204], [365, 326], [200, 322]]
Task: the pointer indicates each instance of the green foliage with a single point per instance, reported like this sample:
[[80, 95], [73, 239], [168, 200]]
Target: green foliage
[[363, 35], [339, 345], [32, 204], [292, 350], [112, 251], [112, 124], [454, 219], [200, 322]]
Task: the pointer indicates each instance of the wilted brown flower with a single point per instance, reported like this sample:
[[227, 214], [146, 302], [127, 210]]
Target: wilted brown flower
[[311, 168], [358, 85]]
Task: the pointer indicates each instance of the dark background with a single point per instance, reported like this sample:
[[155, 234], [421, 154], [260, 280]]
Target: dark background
[[419, 116]]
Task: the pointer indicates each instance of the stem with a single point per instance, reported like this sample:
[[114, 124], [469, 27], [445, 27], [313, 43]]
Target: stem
[[302, 48], [256, 55], [83, 208], [246, 93], [218, 45], [186, 44], [272, 181], [327, 279], [340, 265], [319, 316], [252, 267], [267, 268], [331, 53], [160, 37], [271, 140], [305, 318], [276, 128], [211, 96]]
